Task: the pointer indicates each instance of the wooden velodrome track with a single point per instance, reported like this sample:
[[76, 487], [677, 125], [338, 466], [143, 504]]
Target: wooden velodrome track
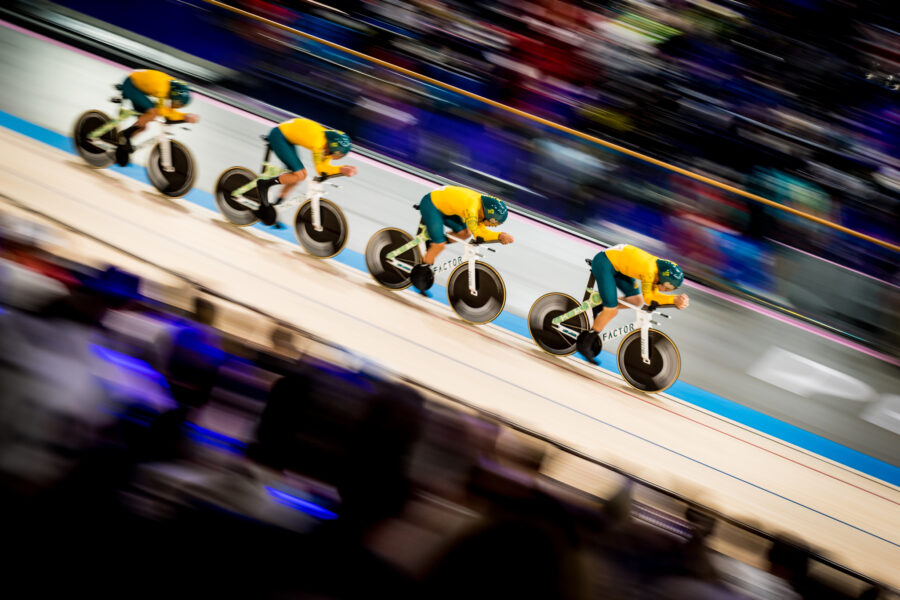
[[851, 517]]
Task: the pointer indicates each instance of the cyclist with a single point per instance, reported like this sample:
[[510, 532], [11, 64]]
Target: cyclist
[[170, 95], [325, 144], [465, 212], [641, 277]]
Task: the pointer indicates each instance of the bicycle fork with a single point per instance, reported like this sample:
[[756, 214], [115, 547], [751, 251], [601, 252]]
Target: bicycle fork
[[645, 322], [165, 153], [314, 191], [471, 255]]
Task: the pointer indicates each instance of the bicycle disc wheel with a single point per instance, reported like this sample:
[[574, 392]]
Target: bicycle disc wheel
[[540, 323], [383, 242], [92, 154], [178, 182], [230, 180], [491, 298], [332, 238], [665, 361]]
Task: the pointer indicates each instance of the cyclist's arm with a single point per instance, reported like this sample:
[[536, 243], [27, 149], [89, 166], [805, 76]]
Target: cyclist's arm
[[480, 231], [323, 164], [168, 112], [651, 293]]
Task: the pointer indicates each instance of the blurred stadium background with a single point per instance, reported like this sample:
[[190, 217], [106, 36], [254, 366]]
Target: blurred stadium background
[[150, 416]]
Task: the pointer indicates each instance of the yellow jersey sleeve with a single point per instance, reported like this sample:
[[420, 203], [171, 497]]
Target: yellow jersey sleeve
[[466, 204], [310, 135], [156, 84], [633, 262], [651, 292]]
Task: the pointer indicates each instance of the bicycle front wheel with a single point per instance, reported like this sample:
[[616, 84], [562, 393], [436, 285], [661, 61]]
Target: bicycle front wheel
[[489, 287], [381, 244], [540, 323], [664, 366], [230, 180], [333, 236], [92, 153], [177, 182]]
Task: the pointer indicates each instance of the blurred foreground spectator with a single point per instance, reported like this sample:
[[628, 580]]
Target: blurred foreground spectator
[[139, 458]]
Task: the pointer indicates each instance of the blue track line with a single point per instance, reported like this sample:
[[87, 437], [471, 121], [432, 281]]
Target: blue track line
[[516, 324]]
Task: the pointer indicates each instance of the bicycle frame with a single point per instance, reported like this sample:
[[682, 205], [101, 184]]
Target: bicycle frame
[[124, 113], [643, 319], [268, 171], [164, 138], [470, 254], [313, 193]]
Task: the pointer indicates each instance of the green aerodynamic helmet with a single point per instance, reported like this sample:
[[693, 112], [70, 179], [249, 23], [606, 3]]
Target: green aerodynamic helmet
[[494, 208], [669, 272], [338, 141], [179, 92]]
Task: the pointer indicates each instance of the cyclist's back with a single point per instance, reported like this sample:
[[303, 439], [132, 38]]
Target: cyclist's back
[[156, 84], [464, 203], [638, 264]]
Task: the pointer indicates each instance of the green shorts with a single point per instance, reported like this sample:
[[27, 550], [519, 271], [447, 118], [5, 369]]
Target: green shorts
[[608, 279], [139, 100], [435, 220], [284, 150]]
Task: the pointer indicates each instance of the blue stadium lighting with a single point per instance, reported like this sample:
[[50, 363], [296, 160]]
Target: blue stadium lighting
[[214, 438], [302, 505], [129, 362], [199, 438]]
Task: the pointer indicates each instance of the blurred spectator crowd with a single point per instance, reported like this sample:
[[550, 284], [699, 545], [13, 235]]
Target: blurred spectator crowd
[[145, 452], [795, 101]]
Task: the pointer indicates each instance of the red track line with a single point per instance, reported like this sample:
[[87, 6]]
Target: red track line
[[687, 418]]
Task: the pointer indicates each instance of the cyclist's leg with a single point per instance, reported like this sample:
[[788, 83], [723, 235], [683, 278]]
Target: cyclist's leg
[[434, 223], [141, 103], [631, 288], [286, 153], [455, 224], [588, 342], [605, 276]]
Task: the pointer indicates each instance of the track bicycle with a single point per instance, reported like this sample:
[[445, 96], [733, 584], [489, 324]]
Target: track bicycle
[[475, 289], [648, 359], [319, 223], [170, 166]]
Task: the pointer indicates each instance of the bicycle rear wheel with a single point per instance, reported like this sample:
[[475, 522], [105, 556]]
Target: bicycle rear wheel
[[665, 361], [491, 298], [540, 323], [92, 154], [333, 237], [386, 274], [175, 183], [230, 180]]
